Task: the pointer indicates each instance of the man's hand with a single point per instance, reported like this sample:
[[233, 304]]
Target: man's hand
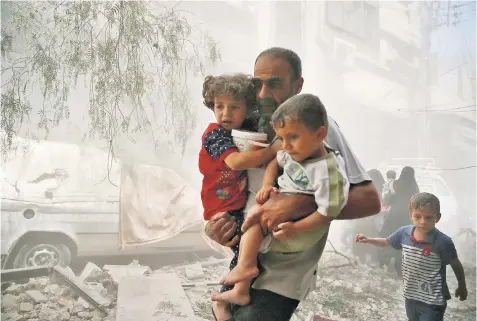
[[461, 293], [285, 231], [264, 193], [278, 209], [221, 227]]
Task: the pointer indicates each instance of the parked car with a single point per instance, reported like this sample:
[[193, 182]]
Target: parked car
[[60, 201]]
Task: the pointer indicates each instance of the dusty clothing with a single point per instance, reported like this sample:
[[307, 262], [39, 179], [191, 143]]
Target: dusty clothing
[[325, 179], [223, 189], [424, 264], [293, 275]]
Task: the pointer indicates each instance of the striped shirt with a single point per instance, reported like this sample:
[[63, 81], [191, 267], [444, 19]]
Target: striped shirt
[[424, 264]]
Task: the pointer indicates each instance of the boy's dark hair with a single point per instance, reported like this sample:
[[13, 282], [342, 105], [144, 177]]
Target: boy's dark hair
[[422, 200], [239, 86], [391, 174], [286, 54], [304, 108]]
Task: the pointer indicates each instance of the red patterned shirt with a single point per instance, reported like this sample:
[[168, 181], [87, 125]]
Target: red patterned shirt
[[223, 189]]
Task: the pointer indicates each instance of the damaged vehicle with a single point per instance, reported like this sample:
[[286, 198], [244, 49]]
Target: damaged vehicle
[[60, 201]]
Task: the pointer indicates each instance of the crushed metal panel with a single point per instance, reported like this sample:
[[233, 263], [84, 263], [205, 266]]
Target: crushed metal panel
[[155, 297]]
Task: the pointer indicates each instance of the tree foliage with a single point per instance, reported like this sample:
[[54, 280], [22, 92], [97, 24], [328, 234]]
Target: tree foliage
[[125, 51]]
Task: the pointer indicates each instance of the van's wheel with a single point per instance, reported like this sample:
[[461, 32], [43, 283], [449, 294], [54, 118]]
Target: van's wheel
[[42, 254]]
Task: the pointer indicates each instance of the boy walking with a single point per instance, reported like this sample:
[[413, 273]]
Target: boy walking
[[425, 253]]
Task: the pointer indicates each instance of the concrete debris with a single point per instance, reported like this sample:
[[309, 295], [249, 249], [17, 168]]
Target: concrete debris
[[194, 271], [117, 272], [365, 293]]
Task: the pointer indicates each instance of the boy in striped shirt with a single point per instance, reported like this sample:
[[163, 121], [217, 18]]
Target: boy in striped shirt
[[309, 167], [425, 253]]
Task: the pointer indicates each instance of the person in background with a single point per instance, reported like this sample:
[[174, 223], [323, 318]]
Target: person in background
[[426, 252], [369, 225], [397, 216], [388, 185]]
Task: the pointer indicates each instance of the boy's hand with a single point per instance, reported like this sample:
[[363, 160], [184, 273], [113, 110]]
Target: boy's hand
[[285, 231], [264, 194], [361, 238], [461, 293]]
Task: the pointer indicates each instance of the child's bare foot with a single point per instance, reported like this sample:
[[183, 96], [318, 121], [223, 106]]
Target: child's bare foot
[[233, 296], [239, 274], [220, 311]]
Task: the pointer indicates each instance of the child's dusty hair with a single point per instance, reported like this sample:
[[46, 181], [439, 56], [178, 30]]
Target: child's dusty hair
[[423, 200], [238, 85], [391, 174], [304, 108]]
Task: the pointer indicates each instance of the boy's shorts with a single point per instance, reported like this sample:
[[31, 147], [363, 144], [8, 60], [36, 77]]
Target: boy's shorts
[[420, 311]]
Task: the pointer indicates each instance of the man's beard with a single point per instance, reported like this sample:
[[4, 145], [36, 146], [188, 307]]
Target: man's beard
[[266, 108]]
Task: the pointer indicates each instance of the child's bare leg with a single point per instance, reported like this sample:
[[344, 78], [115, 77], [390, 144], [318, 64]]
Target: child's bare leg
[[239, 295], [221, 310], [246, 268]]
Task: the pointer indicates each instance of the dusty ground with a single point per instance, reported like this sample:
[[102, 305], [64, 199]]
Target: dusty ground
[[351, 293]]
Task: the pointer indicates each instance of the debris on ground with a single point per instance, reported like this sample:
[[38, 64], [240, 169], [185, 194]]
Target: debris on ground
[[346, 292]]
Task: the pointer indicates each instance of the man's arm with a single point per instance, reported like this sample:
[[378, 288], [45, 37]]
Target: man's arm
[[363, 201]]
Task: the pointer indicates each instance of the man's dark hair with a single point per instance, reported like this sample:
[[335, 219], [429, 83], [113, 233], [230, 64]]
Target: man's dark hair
[[304, 108], [286, 54], [391, 174], [423, 200]]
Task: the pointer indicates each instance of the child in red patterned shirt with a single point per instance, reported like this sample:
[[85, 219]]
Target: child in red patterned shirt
[[224, 186]]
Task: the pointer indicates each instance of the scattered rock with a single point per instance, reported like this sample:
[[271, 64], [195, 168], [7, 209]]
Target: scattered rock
[[92, 272], [9, 301], [194, 271], [14, 289], [25, 307], [36, 296]]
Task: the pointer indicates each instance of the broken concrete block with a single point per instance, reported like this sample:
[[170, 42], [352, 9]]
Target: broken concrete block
[[51, 288], [117, 272], [194, 271], [14, 289], [96, 287], [82, 302], [9, 301], [25, 307], [85, 315], [13, 316], [91, 271], [36, 296], [156, 297]]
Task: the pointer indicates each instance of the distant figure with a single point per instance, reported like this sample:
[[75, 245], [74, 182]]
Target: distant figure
[[405, 187], [378, 180], [369, 225], [388, 185]]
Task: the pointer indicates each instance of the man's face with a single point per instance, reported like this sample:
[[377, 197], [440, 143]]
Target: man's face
[[275, 83]]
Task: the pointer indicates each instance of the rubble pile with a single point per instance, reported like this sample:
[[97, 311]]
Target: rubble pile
[[49, 298], [345, 291]]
